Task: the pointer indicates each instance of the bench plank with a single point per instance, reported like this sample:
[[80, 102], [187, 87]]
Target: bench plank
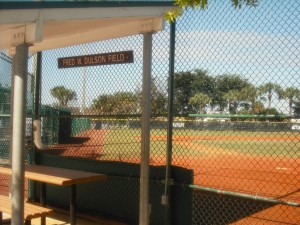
[[55, 175], [31, 211]]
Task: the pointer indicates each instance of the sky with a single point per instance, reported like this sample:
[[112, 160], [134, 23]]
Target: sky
[[5, 69], [261, 44], [264, 39]]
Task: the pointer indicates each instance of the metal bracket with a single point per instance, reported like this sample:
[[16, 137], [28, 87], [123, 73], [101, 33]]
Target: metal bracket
[[29, 33], [18, 36], [146, 26], [169, 182]]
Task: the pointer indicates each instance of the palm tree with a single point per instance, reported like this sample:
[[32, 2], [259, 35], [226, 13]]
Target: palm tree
[[125, 103], [258, 107], [269, 89], [104, 104], [250, 94], [291, 94], [232, 96], [63, 95], [200, 100]]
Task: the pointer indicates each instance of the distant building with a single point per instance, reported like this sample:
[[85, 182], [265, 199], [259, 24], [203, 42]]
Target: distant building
[[243, 106]]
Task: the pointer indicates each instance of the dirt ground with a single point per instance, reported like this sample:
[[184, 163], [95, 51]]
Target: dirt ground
[[256, 175]]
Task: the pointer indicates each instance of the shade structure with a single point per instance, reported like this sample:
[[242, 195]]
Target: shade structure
[[50, 25], [38, 26]]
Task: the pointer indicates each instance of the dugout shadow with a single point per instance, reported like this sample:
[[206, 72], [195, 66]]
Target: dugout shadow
[[118, 196], [211, 208]]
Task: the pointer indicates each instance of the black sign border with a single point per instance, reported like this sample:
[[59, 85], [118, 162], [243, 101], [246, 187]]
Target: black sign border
[[128, 54]]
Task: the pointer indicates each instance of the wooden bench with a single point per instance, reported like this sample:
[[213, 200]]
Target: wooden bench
[[57, 176], [31, 211]]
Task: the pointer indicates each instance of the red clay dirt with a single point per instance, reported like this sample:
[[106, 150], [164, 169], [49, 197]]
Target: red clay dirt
[[220, 169], [277, 178], [87, 144]]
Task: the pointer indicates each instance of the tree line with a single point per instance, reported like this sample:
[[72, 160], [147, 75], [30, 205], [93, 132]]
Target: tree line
[[195, 92]]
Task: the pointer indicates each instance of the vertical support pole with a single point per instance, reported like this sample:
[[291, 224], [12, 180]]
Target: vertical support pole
[[43, 200], [36, 112], [37, 91], [13, 72], [73, 204], [145, 148], [83, 90], [18, 144], [170, 123]]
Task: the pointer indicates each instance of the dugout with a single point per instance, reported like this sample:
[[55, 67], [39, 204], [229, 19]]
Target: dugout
[[47, 25]]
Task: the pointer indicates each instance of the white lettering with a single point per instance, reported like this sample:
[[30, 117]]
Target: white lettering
[[68, 62], [178, 124]]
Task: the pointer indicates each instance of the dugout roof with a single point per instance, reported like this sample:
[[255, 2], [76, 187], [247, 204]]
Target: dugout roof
[[55, 24]]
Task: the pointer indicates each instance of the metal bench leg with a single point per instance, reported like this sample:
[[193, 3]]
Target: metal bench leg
[[1, 218], [43, 200], [27, 222], [73, 205]]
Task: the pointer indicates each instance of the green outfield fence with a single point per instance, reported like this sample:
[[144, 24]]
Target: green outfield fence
[[225, 118]]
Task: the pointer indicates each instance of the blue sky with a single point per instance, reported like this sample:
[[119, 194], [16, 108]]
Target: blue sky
[[229, 40], [5, 70], [262, 44]]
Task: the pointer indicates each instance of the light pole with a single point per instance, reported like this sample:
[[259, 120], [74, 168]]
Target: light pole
[[83, 86], [83, 90]]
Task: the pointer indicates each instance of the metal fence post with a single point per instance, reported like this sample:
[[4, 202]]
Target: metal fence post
[[166, 196], [18, 144], [145, 147]]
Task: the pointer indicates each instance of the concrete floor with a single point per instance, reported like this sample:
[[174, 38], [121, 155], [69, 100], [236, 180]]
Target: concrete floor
[[61, 218]]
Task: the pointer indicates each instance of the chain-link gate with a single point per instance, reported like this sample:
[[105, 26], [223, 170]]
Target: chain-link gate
[[235, 118]]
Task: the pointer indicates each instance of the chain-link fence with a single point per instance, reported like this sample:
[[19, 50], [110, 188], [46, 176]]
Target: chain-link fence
[[5, 93], [238, 79], [235, 119]]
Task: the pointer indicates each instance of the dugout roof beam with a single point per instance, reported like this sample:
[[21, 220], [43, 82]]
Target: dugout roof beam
[[38, 26], [49, 25]]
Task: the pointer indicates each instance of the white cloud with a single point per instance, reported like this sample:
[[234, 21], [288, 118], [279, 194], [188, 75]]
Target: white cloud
[[239, 47]]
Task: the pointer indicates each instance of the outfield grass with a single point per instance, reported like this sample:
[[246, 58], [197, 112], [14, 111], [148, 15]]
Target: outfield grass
[[125, 143], [259, 148]]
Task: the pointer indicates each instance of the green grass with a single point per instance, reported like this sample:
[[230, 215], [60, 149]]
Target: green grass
[[259, 148], [125, 143]]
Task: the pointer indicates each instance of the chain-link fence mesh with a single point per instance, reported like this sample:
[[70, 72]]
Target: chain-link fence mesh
[[5, 117], [235, 124], [5, 92], [238, 75]]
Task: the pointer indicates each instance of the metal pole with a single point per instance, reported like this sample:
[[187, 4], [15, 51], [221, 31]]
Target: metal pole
[[145, 148], [83, 86], [43, 200], [73, 204], [13, 72], [166, 197], [18, 144], [83, 91], [36, 115], [37, 93], [245, 196]]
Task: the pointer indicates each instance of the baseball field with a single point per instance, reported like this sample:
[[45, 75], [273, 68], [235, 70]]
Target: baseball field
[[262, 164]]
